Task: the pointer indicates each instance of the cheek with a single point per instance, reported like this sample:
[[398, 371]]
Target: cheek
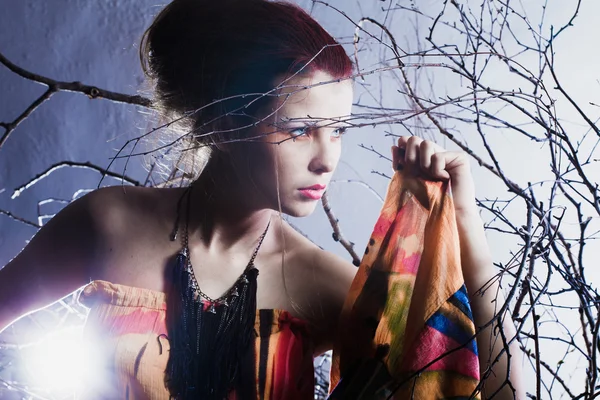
[[338, 154], [262, 164], [291, 160]]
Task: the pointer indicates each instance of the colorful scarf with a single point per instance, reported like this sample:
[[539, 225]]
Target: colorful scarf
[[406, 330]]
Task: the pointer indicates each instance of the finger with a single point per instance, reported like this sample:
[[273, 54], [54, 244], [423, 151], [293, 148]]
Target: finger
[[401, 149], [426, 151], [395, 157], [402, 140], [438, 165], [412, 150]]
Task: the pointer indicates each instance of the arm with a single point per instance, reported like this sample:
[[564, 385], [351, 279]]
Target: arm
[[56, 262], [433, 161], [478, 270]]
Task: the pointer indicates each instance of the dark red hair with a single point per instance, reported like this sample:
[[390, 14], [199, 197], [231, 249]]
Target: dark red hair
[[198, 51]]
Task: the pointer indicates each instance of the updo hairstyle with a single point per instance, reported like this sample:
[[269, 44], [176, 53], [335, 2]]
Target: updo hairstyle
[[209, 62]]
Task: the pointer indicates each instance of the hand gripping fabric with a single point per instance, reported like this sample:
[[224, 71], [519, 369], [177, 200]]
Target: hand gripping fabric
[[406, 330]]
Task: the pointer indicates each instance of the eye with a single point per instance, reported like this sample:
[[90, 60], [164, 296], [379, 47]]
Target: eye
[[296, 132], [299, 131], [340, 132]]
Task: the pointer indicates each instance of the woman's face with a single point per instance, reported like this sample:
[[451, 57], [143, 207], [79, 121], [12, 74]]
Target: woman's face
[[299, 145]]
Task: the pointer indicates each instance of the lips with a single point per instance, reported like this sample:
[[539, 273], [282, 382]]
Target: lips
[[314, 192], [314, 187]]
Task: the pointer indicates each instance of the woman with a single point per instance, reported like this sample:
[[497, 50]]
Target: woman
[[145, 249]]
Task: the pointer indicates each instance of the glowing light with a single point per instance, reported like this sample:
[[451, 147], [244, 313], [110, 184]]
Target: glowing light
[[61, 361]]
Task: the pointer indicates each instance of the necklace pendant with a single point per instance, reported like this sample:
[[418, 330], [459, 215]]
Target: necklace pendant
[[211, 308], [225, 303]]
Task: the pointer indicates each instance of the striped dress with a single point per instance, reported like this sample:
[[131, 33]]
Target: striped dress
[[126, 329]]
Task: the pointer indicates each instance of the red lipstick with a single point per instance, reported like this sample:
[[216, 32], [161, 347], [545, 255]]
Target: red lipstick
[[314, 192], [314, 187]]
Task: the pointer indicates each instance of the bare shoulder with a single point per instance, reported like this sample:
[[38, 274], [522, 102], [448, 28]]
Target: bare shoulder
[[337, 276], [117, 205], [337, 271], [58, 259], [326, 283], [131, 221], [334, 272]]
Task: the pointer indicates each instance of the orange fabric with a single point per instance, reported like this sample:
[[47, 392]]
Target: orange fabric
[[126, 325], [406, 330]]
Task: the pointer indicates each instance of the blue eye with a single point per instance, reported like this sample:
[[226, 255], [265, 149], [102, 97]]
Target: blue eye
[[302, 131], [340, 131], [296, 132]]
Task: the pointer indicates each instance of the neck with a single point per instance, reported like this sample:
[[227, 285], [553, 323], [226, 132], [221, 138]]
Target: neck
[[221, 219]]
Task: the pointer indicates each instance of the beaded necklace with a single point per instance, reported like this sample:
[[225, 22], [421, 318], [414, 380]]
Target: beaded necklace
[[211, 341]]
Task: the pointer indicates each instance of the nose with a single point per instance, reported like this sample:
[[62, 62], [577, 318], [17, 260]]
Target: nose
[[325, 153]]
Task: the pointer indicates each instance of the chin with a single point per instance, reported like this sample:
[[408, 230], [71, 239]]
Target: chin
[[298, 209]]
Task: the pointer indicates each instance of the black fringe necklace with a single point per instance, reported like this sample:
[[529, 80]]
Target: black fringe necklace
[[210, 340]]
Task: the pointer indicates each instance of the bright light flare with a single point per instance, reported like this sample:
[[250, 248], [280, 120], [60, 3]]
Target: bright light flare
[[61, 361]]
